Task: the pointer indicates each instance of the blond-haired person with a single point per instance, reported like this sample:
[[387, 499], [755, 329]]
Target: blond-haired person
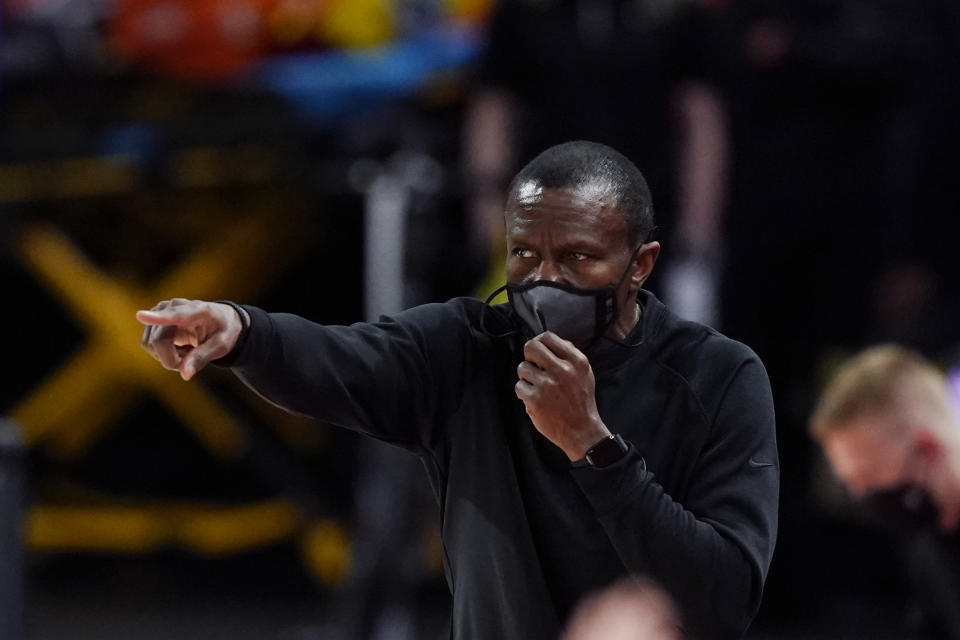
[[889, 426], [888, 423]]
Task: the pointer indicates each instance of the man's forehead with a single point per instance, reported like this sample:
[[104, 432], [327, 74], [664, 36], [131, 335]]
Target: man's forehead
[[591, 194], [574, 207]]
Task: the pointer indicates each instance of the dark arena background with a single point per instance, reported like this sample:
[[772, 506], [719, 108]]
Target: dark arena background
[[341, 159]]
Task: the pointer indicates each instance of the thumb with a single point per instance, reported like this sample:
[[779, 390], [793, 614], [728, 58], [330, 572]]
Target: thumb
[[199, 357]]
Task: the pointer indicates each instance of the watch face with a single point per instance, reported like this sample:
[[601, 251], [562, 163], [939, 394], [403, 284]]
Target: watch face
[[607, 451]]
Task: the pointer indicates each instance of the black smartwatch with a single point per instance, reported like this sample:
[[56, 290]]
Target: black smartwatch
[[605, 453]]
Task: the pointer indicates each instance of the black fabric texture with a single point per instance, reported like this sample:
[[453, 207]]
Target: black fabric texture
[[525, 534], [933, 563]]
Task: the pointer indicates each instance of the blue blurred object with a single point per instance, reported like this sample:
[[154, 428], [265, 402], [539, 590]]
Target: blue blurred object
[[136, 141], [325, 87]]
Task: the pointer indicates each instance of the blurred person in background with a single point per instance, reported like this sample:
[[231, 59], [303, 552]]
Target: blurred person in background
[[641, 443], [889, 424], [627, 610], [840, 229], [639, 75]]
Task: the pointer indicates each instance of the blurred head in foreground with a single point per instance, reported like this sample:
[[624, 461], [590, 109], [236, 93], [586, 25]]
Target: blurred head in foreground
[[889, 426], [628, 610]]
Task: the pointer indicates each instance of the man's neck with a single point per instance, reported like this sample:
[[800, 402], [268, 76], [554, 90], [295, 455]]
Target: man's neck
[[627, 321]]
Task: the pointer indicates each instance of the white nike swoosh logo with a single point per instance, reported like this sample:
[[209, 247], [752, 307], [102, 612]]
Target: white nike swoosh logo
[[759, 465]]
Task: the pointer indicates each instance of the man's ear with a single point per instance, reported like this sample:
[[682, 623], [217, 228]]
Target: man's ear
[[928, 445], [643, 264]]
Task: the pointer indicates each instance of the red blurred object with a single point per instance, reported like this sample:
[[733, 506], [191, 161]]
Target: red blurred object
[[199, 39]]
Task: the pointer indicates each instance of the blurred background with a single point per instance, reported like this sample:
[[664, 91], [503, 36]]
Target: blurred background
[[346, 158]]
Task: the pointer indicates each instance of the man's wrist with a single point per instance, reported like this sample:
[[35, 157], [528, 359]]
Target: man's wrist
[[604, 453], [241, 338], [580, 441]]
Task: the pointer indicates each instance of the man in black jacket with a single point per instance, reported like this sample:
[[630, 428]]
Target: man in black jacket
[[580, 433]]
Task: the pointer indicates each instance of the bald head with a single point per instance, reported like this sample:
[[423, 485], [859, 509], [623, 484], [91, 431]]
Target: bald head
[[595, 171]]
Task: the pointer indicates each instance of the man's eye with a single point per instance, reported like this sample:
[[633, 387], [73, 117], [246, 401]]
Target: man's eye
[[523, 253], [576, 256]]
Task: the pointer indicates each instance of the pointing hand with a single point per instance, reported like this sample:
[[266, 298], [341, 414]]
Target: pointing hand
[[185, 335]]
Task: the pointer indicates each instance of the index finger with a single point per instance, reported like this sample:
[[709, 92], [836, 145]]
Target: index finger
[[537, 352], [166, 317], [563, 349]]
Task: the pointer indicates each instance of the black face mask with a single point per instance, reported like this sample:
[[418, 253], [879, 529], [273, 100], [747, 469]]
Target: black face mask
[[907, 508], [579, 315]]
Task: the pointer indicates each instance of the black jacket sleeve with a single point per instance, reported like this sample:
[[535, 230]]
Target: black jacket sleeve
[[713, 551], [394, 380]]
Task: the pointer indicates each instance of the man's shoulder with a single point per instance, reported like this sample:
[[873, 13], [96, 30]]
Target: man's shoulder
[[685, 343], [710, 366], [455, 320], [464, 309], [705, 358]]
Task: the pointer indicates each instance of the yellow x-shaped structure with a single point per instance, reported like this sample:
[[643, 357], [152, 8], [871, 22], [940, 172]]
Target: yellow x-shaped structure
[[81, 399], [84, 397]]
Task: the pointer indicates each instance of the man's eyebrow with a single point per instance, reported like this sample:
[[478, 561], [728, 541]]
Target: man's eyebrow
[[582, 245], [517, 235]]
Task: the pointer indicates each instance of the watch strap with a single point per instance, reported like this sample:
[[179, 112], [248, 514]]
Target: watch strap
[[604, 453]]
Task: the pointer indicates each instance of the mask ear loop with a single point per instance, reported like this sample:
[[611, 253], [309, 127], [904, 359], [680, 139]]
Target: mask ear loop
[[487, 308], [638, 341], [633, 256]]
